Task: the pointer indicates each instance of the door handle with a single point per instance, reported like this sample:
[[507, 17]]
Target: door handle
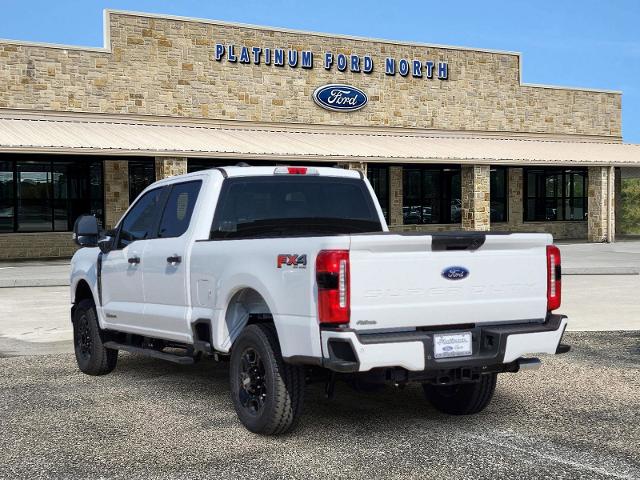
[[174, 259], [134, 260]]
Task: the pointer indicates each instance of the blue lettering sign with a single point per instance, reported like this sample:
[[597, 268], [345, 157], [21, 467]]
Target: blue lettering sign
[[307, 59], [403, 67], [368, 64], [429, 66], [230, 55], [256, 55], [355, 63], [293, 58], [417, 68], [219, 51], [244, 55], [328, 60], [342, 62], [340, 98], [278, 57], [390, 66], [443, 71]]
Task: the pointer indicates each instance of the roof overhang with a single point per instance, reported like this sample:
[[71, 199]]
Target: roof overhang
[[29, 132]]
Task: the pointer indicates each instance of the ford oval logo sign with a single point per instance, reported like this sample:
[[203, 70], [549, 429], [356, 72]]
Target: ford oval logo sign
[[340, 98], [455, 273]]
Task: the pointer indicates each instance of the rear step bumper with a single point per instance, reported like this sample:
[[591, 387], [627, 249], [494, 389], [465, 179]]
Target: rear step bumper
[[346, 350]]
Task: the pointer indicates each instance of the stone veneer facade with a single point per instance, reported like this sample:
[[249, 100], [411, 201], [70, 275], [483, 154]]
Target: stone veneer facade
[[163, 66]]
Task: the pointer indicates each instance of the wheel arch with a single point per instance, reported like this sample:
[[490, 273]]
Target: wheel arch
[[245, 306]]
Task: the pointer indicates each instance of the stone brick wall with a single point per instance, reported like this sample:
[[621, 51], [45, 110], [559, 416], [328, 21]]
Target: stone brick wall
[[116, 190], [167, 67], [475, 197], [395, 194], [36, 245], [170, 167], [598, 220]]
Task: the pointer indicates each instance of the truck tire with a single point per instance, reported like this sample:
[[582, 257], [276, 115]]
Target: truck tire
[[464, 398], [92, 357], [267, 393]]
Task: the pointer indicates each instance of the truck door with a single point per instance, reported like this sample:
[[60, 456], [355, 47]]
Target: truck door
[[122, 285], [165, 266]]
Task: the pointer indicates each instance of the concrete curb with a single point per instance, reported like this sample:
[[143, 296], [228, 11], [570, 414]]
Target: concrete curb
[[29, 282]]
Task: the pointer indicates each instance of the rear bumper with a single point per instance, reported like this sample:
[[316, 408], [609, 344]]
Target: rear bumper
[[346, 350]]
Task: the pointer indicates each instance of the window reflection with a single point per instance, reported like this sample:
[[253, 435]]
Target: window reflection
[[379, 178], [498, 195], [555, 194], [431, 195], [6, 197], [48, 195]]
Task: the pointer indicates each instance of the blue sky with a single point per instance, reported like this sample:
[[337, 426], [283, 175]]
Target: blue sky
[[584, 43]]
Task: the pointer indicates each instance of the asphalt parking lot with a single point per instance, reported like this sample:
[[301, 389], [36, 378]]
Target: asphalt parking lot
[[576, 417]]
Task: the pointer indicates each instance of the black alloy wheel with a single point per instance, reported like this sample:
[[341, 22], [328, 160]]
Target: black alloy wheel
[[82, 336], [253, 392], [92, 356], [267, 393]]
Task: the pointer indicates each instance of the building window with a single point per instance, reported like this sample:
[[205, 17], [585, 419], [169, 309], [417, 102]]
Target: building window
[[47, 195], [142, 173], [379, 178], [553, 194], [7, 200], [498, 189], [431, 195]]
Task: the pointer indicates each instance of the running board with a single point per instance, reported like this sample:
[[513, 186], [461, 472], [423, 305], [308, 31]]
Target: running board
[[179, 359]]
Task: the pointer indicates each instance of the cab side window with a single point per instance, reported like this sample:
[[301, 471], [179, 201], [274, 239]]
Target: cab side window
[[141, 222], [179, 208]]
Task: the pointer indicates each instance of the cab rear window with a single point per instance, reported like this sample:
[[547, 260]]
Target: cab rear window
[[293, 205]]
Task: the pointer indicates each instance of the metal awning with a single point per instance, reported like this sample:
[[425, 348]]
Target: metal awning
[[238, 140]]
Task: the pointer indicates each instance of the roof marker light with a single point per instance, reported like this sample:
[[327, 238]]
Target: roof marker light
[[295, 171]]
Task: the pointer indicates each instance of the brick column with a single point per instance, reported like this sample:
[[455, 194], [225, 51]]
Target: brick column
[[515, 183], [475, 197], [618, 201], [600, 213], [170, 166], [116, 190], [359, 166], [395, 196]]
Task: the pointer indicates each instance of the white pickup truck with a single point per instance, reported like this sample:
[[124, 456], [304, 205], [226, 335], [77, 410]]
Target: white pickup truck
[[291, 274]]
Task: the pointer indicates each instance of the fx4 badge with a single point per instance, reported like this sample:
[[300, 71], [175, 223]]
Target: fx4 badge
[[292, 260]]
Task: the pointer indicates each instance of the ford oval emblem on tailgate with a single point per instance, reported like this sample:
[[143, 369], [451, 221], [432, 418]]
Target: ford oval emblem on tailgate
[[455, 273], [340, 98]]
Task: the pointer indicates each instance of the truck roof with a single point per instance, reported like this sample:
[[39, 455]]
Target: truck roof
[[248, 171]]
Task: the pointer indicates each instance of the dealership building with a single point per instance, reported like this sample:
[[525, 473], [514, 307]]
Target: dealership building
[[450, 138]]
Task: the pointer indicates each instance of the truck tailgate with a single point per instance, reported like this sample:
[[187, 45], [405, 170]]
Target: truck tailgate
[[406, 281]]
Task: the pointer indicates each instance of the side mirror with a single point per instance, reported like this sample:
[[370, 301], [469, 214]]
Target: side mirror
[[85, 231], [105, 243]]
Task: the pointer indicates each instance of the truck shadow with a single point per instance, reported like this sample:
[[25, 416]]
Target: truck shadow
[[208, 381]]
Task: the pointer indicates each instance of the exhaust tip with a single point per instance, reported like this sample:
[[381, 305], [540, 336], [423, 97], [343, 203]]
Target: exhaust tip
[[529, 363]]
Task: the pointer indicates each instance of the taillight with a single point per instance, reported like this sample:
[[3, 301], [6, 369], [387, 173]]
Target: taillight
[[554, 276], [332, 277]]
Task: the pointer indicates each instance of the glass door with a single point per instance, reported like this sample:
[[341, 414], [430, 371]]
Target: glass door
[[34, 197]]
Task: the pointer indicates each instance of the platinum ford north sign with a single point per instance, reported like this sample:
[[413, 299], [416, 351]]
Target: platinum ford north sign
[[293, 58], [340, 98]]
